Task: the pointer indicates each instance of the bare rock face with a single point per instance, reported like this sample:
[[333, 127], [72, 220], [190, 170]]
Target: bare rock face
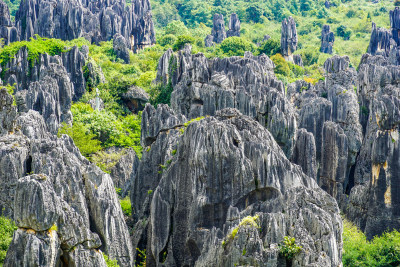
[[247, 84], [135, 99], [218, 30], [212, 174], [288, 38], [380, 41], [120, 48], [96, 21], [66, 208], [327, 40], [208, 41], [395, 24], [304, 153], [234, 26], [8, 32]]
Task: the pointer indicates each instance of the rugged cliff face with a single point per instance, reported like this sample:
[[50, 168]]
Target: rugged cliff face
[[66, 208], [96, 21], [8, 32], [212, 174]]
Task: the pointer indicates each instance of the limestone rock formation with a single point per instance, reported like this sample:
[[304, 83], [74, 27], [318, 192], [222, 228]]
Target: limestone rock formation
[[288, 38], [120, 48], [327, 40], [8, 32], [234, 26], [96, 21], [247, 84], [208, 41], [212, 174], [218, 30], [135, 99], [380, 41], [66, 208]]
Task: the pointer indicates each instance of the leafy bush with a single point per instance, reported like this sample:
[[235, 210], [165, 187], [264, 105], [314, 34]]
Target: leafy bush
[[236, 46], [168, 39], [176, 28], [7, 228], [358, 251], [182, 40], [126, 206], [110, 262], [281, 65], [82, 137], [344, 32], [289, 249], [270, 47], [396, 2]]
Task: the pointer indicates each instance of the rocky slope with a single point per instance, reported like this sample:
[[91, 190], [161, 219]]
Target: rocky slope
[[66, 208], [96, 21]]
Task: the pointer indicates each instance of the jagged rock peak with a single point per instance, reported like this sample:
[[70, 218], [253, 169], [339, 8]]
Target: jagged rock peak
[[8, 32], [395, 24], [379, 43], [66, 208], [234, 26], [327, 39], [94, 20], [218, 30], [120, 48], [288, 38], [336, 64], [201, 205]]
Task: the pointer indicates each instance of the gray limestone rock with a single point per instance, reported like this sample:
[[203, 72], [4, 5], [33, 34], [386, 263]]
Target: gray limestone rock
[[288, 38], [216, 172], [96, 21], [304, 153], [58, 199], [327, 40], [8, 33], [218, 30], [209, 41], [135, 99], [120, 48], [234, 26], [379, 43]]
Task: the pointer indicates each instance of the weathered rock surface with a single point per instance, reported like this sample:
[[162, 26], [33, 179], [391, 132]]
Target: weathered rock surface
[[247, 84], [212, 174], [58, 199], [234, 26], [95, 21], [135, 99], [327, 40], [120, 48], [218, 30], [8, 32], [379, 43], [288, 38]]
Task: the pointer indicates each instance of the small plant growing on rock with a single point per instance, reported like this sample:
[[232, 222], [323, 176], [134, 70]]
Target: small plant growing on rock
[[110, 262], [289, 249]]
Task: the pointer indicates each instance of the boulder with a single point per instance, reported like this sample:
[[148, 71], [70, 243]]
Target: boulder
[[120, 48], [135, 99]]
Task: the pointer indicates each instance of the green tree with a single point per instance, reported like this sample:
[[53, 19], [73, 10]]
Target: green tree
[[281, 65], [270, 47], [168, 39], [176, 28], [7, 228], [254, 13], [344, 32], [236, 46], [182, 40]]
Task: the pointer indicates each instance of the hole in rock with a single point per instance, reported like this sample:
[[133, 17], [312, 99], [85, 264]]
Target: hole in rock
[[28, 165], [258, 195]]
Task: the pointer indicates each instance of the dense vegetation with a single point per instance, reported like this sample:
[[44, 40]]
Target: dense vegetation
[[7, 228], [381, 251]]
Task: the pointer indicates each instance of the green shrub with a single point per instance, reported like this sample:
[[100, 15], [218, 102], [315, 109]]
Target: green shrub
[[381, 251], [168, 39], [281, 65], [110, 262], [344, 32], [176, 28], [126, 206], [396, 2], [182, 40], [82, 137], [7, 228], [236, 46], [270, 47], [289, 249], [310, 56]]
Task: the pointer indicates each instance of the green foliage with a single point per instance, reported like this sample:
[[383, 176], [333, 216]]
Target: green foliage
[[126, 206], [289, 249], [7, 228], [396, 2], [106, 161], [176, 28], [236, 46], [344, 32], [141, 257], [270, 47], [110, 262], [182, 40], [37, 46], [254, 13], [381, 251], [281, 66], [168, 39], [82, 137]]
